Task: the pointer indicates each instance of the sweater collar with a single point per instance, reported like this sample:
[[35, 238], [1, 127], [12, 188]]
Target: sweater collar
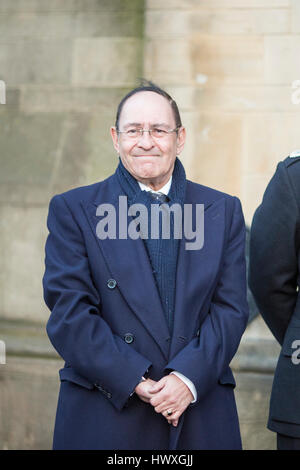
[[132, 189]]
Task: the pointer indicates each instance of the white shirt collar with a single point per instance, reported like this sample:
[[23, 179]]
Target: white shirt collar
[[165, 189]]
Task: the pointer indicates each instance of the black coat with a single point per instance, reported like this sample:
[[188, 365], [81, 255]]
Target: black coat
[[274, 268]]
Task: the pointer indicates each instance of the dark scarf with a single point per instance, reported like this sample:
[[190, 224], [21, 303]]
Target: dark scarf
[[163, 253]]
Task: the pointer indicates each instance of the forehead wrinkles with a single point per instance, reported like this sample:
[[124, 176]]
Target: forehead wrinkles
[[147, 107]]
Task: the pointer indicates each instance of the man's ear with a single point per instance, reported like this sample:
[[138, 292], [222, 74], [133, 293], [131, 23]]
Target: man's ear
[[180, 140], [114, 136]]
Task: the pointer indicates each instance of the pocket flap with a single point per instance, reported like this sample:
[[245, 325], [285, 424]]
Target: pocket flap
[[70, 375], [227, 378]]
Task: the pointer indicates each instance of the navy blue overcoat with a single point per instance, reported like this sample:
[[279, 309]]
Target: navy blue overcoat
[[108, 325]]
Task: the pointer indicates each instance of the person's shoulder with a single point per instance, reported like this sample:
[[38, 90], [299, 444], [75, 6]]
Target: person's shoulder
[[289, 170], [292, 165], [292, 161], [284, 183]]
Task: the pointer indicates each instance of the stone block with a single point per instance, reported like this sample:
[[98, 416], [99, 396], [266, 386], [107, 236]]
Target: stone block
[[35, 6], [44, 6], [71, 154], [25, 338], [210, 4], [106, 62], [29, 389], [56, 159], [257, 437], [103, 159], [2, 254], [59, 99], [24, 234], [252, 397], [19, 25], [268, 139], [244, 99], [12, 101], [28, 61], [184, 97], [217, 157], [295, 16], [189, 154], [71, 24], [28, 144], [167, 23], [281, 64], [110, 24], [242, 21], [168, 62], [110, 5], [224, 59], [178, 23]]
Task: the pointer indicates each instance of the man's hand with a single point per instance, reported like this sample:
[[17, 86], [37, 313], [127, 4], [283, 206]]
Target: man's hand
[[142, 390], [170, 394]]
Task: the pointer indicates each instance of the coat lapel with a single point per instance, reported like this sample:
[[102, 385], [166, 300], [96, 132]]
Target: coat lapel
[[129, 265], [197, 272]]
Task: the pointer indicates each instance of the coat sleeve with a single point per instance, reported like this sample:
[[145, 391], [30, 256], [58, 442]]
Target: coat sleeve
[[273, 263], [205, 358], [75, 328]]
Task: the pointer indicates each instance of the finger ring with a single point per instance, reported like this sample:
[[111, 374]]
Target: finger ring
[[169, 412]]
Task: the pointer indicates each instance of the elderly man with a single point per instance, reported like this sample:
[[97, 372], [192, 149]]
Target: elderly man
[[147, 324]]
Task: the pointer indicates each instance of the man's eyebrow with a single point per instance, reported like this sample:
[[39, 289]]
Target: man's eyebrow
[[138, 124], [132, 124], [161, 124]]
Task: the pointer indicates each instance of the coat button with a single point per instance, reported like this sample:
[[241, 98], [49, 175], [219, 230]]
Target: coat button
[[111, 283], [129, 338]]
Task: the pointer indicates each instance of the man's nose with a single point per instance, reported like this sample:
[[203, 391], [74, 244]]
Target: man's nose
[[145, 140]]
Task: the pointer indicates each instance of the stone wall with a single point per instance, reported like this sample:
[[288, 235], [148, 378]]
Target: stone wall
[[230, 65]]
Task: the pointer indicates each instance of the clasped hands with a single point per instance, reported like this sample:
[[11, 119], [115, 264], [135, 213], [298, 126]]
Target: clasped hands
[[169, 394]]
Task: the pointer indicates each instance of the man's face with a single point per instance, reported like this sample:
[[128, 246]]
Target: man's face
[[149, 160]]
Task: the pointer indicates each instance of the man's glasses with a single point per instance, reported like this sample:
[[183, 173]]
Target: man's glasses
[[156, 133]]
